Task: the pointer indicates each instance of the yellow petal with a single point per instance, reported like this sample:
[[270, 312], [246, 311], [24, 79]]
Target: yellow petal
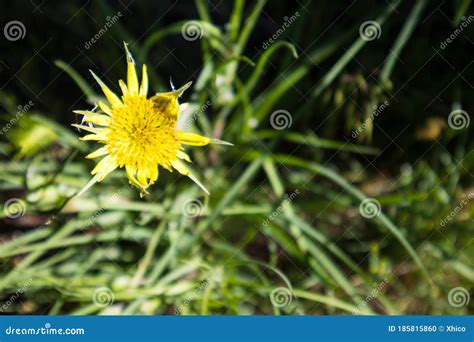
[[104, 167], [183, 169], [182, 155], [144, 85], [178, 92], [97, 153], [123, 87], [132, 79], [179, 165], [167, 166], [109, 94], [142, 176], [106, 109], [95, 137], [187, 138], [83, 112], [98, 119], [167, 104], [131, 177], [154, 174], [147, 176], [89, 129]]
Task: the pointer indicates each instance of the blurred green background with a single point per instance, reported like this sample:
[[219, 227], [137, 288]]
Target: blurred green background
[[348, 191]]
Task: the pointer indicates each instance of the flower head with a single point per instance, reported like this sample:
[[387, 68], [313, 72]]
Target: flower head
[[139, 133]]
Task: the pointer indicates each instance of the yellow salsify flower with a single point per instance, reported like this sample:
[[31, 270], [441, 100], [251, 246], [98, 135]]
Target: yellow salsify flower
[[139, 133]]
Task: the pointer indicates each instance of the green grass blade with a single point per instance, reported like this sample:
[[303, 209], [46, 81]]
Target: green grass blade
[[402, 39], [382, 219]]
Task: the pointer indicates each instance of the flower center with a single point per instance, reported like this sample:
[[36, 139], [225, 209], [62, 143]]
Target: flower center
[[140, 135]]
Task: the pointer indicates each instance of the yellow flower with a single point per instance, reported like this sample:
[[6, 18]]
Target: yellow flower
[[139, 133]]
